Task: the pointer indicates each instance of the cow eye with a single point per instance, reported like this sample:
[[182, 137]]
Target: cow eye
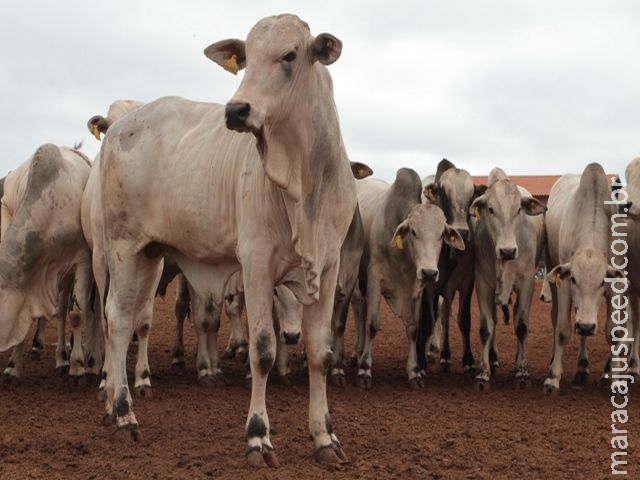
[[490, 210], [290, 57], [413, 232], [573, 280]]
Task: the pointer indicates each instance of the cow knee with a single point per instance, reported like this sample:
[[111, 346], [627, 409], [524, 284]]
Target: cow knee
[[521, 330], [143, 331], [265, 350]]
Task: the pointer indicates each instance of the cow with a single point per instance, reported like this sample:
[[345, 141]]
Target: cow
[[453, 190], [578, 248], [252, 186], [627, 220], [508, 229], [403, 239], [44, 260]]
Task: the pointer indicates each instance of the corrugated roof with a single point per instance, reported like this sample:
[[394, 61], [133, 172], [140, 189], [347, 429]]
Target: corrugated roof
[[538, 185]]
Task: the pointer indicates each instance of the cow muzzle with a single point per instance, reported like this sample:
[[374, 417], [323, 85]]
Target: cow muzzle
[[585, 329], [291, 338], [428, 274], [236, 116], [510, 253]]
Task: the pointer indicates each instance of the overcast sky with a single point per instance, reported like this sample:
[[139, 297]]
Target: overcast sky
[[532, 87]]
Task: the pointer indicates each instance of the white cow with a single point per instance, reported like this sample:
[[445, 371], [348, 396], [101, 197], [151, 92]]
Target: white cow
[[403, 239], [44, 260], [509, 235], [276, 204], [578, 251]]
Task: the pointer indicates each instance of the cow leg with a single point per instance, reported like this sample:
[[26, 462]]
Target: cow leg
[[142, 383], [37, 346], [94, 347], [561, 316], [214, 311], [359, 308], [413, 370], [317, 333], [262, 352], [79, 315], [486, 303], [370, 330], [237, 345], [183, 302], [206, 320], [582, 372], [441, 328], [493, 350], [62, 357], [14, 366], [339, 323], [521, 327], [464, 324], [132, 287]]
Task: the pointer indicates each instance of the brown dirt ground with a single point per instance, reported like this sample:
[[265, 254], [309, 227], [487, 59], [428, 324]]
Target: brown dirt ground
[[447, 430]]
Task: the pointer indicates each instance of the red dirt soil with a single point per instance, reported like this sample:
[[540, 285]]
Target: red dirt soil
[[447, 430]]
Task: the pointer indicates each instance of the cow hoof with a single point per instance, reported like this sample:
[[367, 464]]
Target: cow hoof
[[102, 395], [338, 380], [364, 382], [108, 420], [523, 383], [10, 380], [242, 354], [416, 383], [330, 454], [580, 378], [551, 390], [178, 365], [35, 354], [431, 358], [229, 353], [445, 366], [144, 391], [483, 386], [63, 371], [134, 432], [266, 457], [604, 382], [213, 380]]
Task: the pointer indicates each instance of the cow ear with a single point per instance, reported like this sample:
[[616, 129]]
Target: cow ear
[[431, 192], [326, 48], [559, 273], [614, 272], [229, 54], [452, 238], [476, 205], [532, 206], [398, 237], [360, 170], [479, 190]]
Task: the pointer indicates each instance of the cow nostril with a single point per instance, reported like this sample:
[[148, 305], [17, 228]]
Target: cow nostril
[[236, 114], [429, 274], [508, 253], [585, 329], [291, 338]]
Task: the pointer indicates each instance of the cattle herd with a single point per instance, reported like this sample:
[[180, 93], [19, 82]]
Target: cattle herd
[[255, 204]]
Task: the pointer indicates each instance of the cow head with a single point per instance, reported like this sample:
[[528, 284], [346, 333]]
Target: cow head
[[288, 312], [587, 275], [501, 208], [421, 234], [277, 96], [453, 190]]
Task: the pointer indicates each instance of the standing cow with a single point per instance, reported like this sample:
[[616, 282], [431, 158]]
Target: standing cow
[[279, 201], [578, 252], [403, 239], [44, 260], [509, 231], [453, 190]]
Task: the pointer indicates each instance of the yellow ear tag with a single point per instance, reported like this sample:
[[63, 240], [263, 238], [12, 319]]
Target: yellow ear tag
[[231, 64], [452, 238], [329, 44], [398, 243], [558, 281], [95, 131]]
